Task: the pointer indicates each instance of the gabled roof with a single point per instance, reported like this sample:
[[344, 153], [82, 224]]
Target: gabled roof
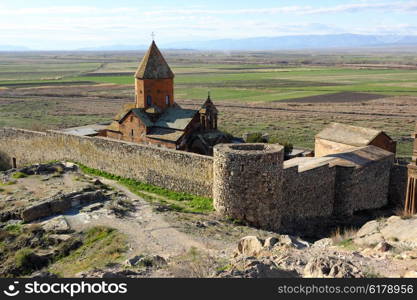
[[153, 65], [126, 108], [137, 112], [349, 135], [176, 118]]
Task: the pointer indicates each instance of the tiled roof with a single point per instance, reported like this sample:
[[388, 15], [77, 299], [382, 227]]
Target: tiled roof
[[176, 118], [153, 65]]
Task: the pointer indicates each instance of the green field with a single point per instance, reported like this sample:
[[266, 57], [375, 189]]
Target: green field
[[265, 85], [57, 90]]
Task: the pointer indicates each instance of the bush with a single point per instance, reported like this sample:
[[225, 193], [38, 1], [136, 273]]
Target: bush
[[288, 147], [255, 138]]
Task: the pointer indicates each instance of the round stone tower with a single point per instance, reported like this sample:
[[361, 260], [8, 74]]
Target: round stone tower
[[248, 183]]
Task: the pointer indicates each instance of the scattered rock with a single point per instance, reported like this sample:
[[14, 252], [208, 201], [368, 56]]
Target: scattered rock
[[57, 225], [200, 224], [133, 261], [331, 267], [249, 267], [92, 207], [383, 247], [292, 241], [43, 274], [60, 237], [270, 242]]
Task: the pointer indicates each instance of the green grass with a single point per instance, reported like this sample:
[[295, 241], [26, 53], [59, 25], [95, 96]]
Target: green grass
[[14, 229], [18, 175], [348, 244], [101, 246], [175, 200], [281, 84]]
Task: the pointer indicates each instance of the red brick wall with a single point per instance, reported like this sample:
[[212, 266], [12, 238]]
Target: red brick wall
[[158, 89], [132, 129], [132, 122]]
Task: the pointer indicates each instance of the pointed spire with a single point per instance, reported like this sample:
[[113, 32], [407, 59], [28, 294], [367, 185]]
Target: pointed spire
[[153, 65], [208, 96]]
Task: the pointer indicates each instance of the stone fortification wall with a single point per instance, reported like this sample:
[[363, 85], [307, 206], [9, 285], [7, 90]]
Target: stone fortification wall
[[248, 183], [307, 195], [362, 188], [175, 170]]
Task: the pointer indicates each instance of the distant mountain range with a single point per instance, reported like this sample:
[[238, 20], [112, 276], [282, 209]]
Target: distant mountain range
[[298, 42], [13, 48]]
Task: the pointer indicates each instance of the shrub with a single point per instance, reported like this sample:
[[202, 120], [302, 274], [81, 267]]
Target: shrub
[[256, 138]]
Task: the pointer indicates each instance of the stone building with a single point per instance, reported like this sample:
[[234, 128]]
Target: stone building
[[155, 117], [337, 138]]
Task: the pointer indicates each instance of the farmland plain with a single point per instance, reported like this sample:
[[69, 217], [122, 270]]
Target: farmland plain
[[291, 96]]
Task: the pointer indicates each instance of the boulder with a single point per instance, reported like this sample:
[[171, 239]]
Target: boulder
[[369, 228], [331, 267], [249, 246], [323, 243], [369, 240], [404, 231], [36, 211]]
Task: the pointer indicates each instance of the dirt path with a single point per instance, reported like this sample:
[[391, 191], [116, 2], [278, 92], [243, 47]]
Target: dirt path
[[147, 231]]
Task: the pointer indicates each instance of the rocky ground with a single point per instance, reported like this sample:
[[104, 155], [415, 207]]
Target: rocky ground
[[57, 221]]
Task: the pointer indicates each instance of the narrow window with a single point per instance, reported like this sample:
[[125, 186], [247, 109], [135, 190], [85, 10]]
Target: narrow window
[[149, 100], [167, 99], [131, 132]]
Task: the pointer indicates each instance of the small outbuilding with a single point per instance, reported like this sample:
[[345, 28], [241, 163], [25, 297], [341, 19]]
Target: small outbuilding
[[337, 138]]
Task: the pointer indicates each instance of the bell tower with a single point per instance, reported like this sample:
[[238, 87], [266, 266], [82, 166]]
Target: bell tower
[[154, 81]]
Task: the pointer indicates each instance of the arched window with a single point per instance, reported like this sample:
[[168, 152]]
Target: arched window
[[149, 100], [167, 99]]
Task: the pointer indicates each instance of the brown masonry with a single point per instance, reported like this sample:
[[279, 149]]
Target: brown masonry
[[157, 89]]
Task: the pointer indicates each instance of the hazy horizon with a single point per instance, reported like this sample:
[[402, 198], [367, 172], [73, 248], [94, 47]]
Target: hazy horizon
[[78, 24]]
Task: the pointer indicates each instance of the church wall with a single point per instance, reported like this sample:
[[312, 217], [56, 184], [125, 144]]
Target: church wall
[[132, 129]]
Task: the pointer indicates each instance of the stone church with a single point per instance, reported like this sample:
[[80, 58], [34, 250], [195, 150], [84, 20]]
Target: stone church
[[155, 117]]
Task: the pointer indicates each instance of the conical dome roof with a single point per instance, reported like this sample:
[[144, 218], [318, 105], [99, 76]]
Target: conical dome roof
[[153, 65]]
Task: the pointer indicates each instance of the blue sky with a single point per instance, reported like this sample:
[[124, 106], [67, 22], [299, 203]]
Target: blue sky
[[46, 24]]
